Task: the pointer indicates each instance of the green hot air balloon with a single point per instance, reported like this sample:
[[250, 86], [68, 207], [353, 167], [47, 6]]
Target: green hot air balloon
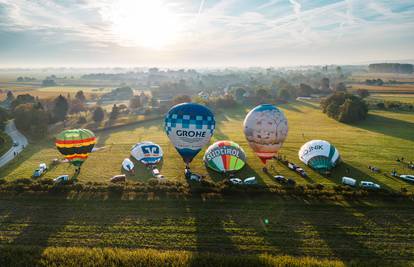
[[225, 156], [75, 145]]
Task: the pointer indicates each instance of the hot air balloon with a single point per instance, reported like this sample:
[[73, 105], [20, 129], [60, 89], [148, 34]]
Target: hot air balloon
[[319, 155], [147, 153], [75, 145], [189, 126], [225, 157], [265, 128]]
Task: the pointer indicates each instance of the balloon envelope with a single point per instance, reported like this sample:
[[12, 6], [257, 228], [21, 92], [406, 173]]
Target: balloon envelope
[[127, 164], [189, 126], [147, 152], [319, 155], [225, 156], [265, 128], [75, 145]]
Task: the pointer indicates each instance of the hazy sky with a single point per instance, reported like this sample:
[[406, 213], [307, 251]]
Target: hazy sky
[[203, 33]]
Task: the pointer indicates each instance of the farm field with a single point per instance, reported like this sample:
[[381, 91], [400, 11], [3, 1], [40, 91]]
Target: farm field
[[397, 88], [404, 98], [372, 142], [343, 231]]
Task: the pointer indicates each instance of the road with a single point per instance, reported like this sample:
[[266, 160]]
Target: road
[[17, 137]]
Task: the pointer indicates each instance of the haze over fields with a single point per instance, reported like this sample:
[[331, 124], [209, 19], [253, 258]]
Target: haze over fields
[[203, 33]]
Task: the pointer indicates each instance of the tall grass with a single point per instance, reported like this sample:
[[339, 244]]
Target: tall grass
[[76, 256]]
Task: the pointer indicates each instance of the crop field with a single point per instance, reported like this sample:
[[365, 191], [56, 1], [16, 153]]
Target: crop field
[[276, 226], [397, 88], [361, 77], [404, 98], [372, 142]]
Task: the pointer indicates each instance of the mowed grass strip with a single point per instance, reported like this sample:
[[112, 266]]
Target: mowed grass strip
[[344, 231], [377, 141]]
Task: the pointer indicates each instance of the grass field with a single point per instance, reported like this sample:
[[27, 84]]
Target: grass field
[[378, 141], [341, 230], [404, 98]]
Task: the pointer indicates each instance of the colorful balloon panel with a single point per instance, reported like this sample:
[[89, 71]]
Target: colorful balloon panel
[[147, 152], [75, 145], [319, 155], [225, 156], [265, 128], [189, 126]]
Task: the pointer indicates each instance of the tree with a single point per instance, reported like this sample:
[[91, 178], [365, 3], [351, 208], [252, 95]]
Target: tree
[[80, 96], [340, 87], [304, 90], [239, 94], [22, 99], [181, 99], [4, 116], [77, 106], [10, 96], [98, 114], [262, 94], [31, 119], [285, 94], [363, 93], [345, 107], [135, 102], [325, 85], [60, 109], [114, 113], [48, 82], [352, 110]]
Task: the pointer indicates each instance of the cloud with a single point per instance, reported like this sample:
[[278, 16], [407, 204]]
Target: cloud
[[226, 30]]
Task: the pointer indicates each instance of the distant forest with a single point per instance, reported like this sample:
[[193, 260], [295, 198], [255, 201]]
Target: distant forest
[[391, 68]]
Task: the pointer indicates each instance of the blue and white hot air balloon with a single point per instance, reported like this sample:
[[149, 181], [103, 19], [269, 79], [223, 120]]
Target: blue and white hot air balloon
[[189, 127], [147, 153]]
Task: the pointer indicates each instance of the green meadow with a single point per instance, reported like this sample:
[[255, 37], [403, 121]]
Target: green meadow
[[377, 141]]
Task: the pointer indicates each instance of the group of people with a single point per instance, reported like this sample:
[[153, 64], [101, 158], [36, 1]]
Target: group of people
[[373, 169]]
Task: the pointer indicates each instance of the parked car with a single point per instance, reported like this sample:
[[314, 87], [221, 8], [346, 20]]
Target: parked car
[[349, 181], [291, 182], [195, 177], [235, 181], [407, 177], [250, 180], [155, 172], [369, 185], [118, 178], [302, 172], [292, 166], [15, 144], [40, 170], [280, 179], [61, 178]]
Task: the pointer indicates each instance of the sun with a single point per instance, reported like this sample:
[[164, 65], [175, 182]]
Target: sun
[[143, 23]]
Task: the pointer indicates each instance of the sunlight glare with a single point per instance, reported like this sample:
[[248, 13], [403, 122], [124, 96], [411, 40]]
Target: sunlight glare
[[143, 23]]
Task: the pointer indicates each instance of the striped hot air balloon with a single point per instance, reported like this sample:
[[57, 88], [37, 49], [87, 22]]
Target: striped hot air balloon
[[75, 145], [225, 156]]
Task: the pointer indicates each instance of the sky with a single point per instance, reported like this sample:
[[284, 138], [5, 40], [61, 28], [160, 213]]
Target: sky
[[203, 33]]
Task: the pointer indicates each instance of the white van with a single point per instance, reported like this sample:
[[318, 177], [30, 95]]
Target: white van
[[349, 181], [407, 177], [250, 180]]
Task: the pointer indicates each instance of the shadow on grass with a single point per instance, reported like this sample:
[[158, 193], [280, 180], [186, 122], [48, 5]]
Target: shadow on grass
[[42, 222], [290, 107], [339, 235], [387, 126], [345, 169]]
